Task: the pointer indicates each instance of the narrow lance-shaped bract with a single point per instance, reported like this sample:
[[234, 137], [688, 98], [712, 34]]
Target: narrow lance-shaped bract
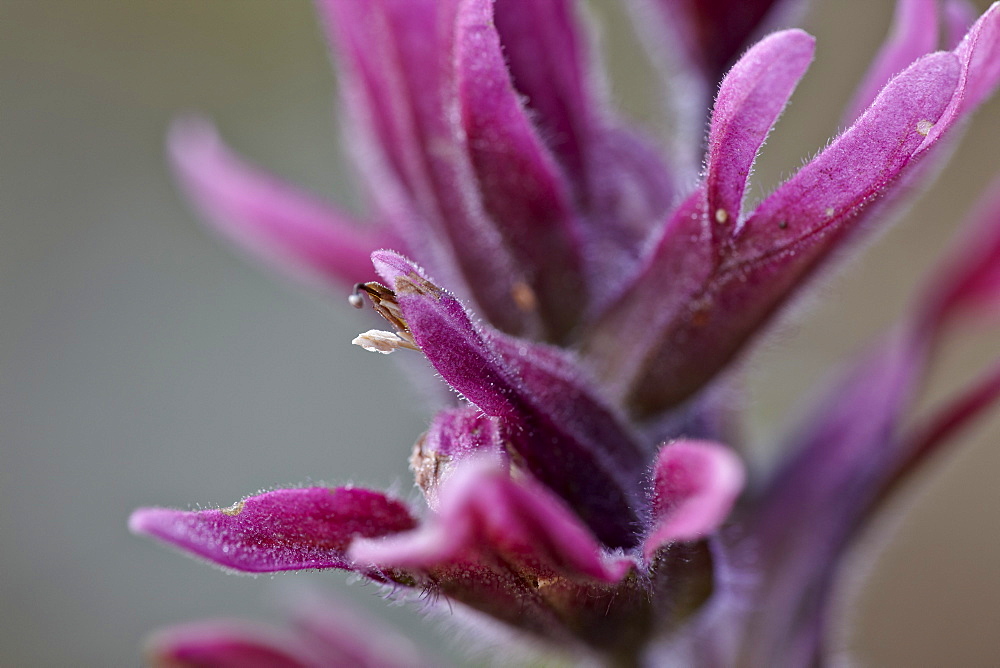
[[575, 488]]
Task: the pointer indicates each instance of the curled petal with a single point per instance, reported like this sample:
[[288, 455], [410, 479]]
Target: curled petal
[[286, 529], [284, 225], [831, 191], [914, 33], [511, 549], [559, 429], [486, 516], [695, 484], [750, 99]]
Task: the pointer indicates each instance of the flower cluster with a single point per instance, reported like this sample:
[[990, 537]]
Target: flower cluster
[[584, 485]]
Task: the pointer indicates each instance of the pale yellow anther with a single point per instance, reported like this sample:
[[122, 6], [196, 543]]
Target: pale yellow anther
[[924, 127], [234, 509], [721, 216], [377, 341]]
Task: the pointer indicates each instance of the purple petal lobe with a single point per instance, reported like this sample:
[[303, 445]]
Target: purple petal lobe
[[914, 33], [286, 529], [619, 183], [520, 182], [284, 225], [398, 61], [831, 190], [484, 514], [750, 99], [689, 315], [561, 431], [506, 546], [695, 484], [546, 56]]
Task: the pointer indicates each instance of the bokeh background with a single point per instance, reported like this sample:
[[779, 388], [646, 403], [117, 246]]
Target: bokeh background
[[143, 363]]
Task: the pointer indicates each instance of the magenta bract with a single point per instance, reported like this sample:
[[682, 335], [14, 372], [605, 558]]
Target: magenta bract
[[584, 487]]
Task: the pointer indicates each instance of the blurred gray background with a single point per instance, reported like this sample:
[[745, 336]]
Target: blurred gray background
[[142, 363]]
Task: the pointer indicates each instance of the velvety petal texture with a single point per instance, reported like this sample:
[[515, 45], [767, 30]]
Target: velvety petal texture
[[488, 517], [286, 529], [520, 182], [583, 486], [695, 484], [563, 433], [620, 183], [413, 116], [689, 312], [513, 550], [547, 56], [750, 99], [455, 435]]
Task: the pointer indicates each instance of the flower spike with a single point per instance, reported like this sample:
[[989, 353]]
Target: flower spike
[[583, 489]]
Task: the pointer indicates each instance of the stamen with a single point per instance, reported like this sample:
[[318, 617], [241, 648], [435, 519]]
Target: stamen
[[377, 341], [384, 302]]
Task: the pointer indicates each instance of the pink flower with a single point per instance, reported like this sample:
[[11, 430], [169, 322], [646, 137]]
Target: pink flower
[[585, 487]]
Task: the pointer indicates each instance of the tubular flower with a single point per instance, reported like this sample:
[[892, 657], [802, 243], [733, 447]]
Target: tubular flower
[[585, 488]]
